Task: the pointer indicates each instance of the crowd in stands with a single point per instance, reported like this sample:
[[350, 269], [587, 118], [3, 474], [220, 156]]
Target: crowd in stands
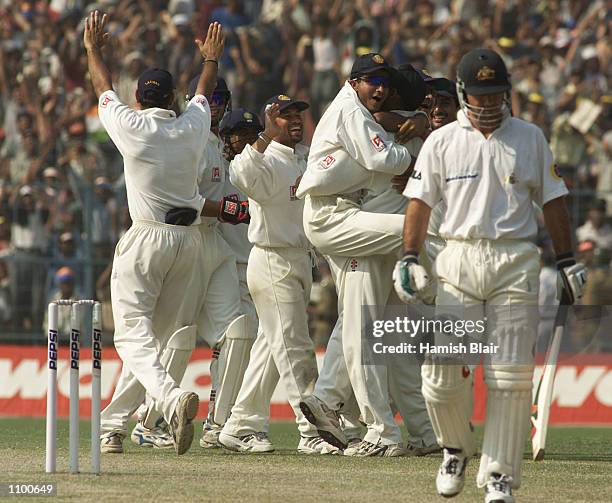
[[62, 193]]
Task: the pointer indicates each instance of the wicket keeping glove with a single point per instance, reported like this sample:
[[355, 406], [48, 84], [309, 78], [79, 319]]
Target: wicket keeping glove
[[409, 278], [234, 211], [571, 278]]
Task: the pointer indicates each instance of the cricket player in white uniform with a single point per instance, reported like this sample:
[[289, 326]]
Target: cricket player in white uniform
[[489, 168], [351, 152], [279, 276], [154, 260], [333, 387], [239, 128], [221, 321]]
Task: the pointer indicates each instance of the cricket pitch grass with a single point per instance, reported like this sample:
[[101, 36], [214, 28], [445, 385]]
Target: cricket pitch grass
[[577, 468]]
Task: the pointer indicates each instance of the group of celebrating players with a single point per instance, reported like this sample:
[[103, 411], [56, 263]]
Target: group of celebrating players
[[401, 166]]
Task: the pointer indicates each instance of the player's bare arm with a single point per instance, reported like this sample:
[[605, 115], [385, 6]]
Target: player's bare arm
[[211, 50], [557, 222], [572, 275], [404, 129], [415, 225], [95, 37]]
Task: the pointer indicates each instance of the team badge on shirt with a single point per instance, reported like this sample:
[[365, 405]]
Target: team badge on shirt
[[378, 143], [554, 171], [106, 101], [354, 264], [327, 162], [216, 175], [293, 189], [511, 179]]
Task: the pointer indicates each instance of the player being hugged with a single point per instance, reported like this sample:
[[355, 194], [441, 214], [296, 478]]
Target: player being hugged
[[489, 168]]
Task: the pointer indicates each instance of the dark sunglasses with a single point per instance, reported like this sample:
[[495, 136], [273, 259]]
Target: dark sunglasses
[[376, 80], [218, 99]]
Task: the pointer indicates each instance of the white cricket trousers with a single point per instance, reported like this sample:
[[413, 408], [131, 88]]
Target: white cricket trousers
[[492, 273], [279, 280], [362, 249], [153, 267], [334, 389], [219, 287]]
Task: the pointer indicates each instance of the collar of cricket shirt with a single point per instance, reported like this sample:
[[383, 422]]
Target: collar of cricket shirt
[[161, 113]]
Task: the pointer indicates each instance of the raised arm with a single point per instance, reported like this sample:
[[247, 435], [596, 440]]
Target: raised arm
[[211, 50], [94, 38]]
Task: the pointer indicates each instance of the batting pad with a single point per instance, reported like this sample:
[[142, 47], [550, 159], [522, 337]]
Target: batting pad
[[447, 391], [232, 363], [175, 359], [507, 423]]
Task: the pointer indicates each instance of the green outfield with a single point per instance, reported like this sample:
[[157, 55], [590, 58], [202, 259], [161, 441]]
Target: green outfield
[[578, 468]]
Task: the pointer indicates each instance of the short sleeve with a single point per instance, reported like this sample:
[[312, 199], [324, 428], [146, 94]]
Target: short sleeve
[[115, 116], [552, 185], [424, 183]]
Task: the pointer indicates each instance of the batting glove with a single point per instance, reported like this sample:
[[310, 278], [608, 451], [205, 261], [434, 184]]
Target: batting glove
[[571, 278], [409, 278], [234, 211]]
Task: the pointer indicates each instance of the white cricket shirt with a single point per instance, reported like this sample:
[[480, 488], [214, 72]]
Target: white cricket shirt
[[212, 172], [270, 180], [489, 184], [160, 153], [348, 132]]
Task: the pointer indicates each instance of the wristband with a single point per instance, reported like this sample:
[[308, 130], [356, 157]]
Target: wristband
[[211, 61], [565, 260], [264, 137], [411, 256]]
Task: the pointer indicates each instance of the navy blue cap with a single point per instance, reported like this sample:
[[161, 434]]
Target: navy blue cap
[[239, 118], [220, 87], [445, 87], [369, 63], [483, 71], [285, 101], [155, 85], [410, 86], [427, 78]]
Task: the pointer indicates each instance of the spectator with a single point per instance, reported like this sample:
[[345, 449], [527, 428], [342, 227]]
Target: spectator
[[29, 239], [595, 228], [64, 279]]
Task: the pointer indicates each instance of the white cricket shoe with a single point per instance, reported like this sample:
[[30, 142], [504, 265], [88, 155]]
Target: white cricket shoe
[[316, 445], [353, 445], [325, 419], [157, 437], [368, 449], [181, 426], [498, 489], [111, 443], [451, 475], [210, 436], [254, 442], [417, 451]]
